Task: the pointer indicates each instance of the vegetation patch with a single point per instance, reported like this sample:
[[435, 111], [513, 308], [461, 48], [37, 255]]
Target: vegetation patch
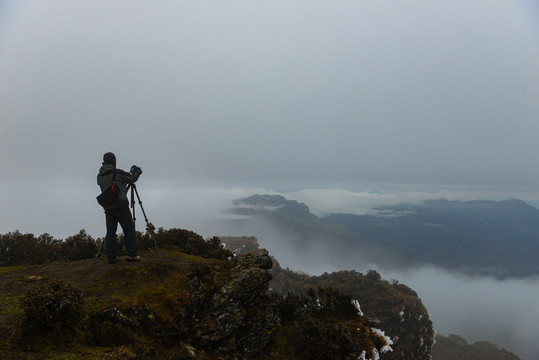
[[8, 269], [52, 310], [9, 304]]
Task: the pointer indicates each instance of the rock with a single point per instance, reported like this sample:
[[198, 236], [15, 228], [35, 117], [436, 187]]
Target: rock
[[116, 316], [239, 315], [254, 259], [197, 293], [189, 350]]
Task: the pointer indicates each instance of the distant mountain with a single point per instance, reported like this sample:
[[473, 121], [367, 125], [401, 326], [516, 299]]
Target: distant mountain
[[292, 223], [487, 237], [500, 237]]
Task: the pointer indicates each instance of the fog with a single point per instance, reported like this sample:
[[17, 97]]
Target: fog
[[504, 312], [289, 92]]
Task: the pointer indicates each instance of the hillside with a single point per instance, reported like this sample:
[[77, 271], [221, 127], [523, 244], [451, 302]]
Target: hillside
[[206, 306], [455, 347]]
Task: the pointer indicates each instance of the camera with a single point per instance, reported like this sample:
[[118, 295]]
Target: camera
[[135, 170]]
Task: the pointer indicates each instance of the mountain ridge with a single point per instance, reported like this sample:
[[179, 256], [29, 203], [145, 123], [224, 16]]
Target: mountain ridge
[[498, 238]]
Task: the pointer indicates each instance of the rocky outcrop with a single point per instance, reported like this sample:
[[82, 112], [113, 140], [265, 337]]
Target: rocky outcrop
[[390, 306], [187, 307], [238, 317]]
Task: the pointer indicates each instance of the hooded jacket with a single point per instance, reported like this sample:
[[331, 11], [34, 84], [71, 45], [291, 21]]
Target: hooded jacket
[[123, 178]]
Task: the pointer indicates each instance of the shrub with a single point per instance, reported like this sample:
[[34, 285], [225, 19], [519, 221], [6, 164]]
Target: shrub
[[16, 248], [80, 246], [52, 307], [192, 243]]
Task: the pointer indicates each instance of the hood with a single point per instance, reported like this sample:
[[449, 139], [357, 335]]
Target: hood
[[106, 169]]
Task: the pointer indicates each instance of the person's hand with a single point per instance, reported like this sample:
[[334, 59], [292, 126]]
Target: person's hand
[[135, 170]]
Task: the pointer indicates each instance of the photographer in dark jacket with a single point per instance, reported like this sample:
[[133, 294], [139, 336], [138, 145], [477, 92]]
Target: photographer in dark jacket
[[118, 211]]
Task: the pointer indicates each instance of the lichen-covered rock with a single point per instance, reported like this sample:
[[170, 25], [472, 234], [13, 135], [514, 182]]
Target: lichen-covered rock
[[197, 293], [239, 316], [116, 316], [254, 259]]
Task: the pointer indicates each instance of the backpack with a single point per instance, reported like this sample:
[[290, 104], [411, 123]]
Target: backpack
[[108, 196]]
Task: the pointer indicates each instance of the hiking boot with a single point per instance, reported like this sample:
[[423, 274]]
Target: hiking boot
[[113, 261], [133, 258]]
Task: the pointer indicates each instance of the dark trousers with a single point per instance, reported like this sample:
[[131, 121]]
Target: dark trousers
[[122, 216]]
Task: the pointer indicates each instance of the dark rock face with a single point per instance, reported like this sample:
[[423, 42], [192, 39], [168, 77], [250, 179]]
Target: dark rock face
[[239, 316]]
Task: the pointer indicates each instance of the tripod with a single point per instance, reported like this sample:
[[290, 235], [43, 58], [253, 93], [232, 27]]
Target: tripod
[[149, 226]]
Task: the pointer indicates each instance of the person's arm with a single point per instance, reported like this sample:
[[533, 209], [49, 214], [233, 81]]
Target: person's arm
[[129, 177]]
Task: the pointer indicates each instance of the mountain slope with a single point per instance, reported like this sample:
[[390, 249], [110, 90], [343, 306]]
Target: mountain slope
[[187, 306]]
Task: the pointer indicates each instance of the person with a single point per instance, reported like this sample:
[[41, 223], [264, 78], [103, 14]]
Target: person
[[118, 211]]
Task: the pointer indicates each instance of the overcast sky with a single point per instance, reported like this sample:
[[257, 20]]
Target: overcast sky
[[279, 95]]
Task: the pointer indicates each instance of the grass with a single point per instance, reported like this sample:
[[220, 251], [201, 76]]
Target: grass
[[9, 304], [8, 269], [71, 353]]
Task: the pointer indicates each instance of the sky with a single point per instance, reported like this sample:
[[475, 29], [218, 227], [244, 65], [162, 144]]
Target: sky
[[342, 105], [281, 96]]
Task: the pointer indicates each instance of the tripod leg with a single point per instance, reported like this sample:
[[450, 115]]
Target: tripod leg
[[148, 225], [154, 241], [98, 251]]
